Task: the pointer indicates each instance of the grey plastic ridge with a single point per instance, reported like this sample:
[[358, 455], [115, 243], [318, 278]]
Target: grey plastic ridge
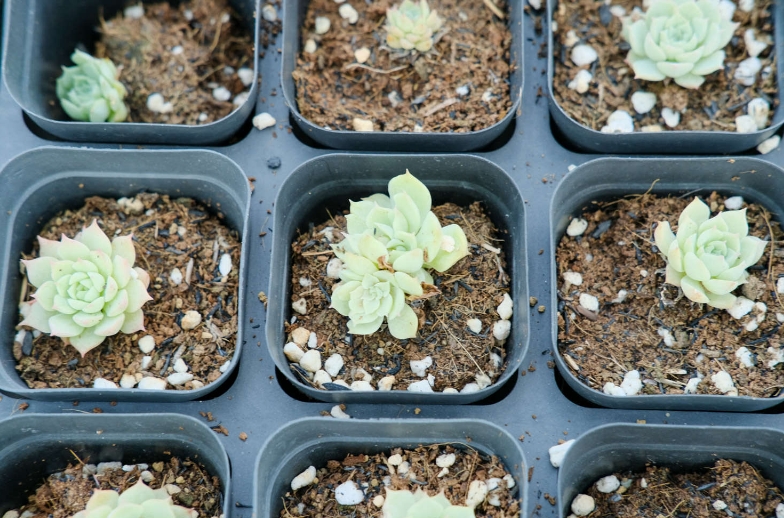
[[30, 54], [39, 183], [668, 141], [293, 15], [610, 178]]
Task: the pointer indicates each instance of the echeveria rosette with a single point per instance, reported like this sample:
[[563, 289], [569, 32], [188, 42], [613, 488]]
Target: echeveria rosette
[[708, 257], [87, 288], [681, 39], [411, 25], [405, 504], [138, 501], [90, 91]]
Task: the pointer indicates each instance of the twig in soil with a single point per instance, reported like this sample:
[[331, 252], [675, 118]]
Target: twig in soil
[[76, 457], [325, 252], [443, 104], [496, 11], [375, 70]]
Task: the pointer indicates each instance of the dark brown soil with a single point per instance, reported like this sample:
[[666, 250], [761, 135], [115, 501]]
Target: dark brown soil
[[712, 107], [472, 288], [159, 249], [625, 336], [376, 472], [64, 494], [210, 43], [739, 485], [333, 88]]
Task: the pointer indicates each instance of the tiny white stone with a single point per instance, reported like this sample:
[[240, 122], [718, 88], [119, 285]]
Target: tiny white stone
[[769, 145], [155, 103], [741, 308], [293, 352], [152, 383], [334, 267], [146, 360], [221, 93], [190, 320], [620, 297], [573, 278], [362, 54], [505, 308], [225, 366], [336, 411], [462, 91], [347, 12], [671, 117], [510, 481], [496, 360], [362, 124], [310, 46], [403, 468], [179, 378], [501, 329], [241, 98], [474, 324], [780, 511], [322, 24], [386, 383], [225, 17], [589, 302], [536, 4], [300, 306], [134, 11], [780, 317], [419, 367], [342, 383], [450, 390], [583, 505], [378, 501], [618, 11], [104, 467], [576, 227], [619, 121], [745, 124], [558, 452], [608, 484], [362, 374], [395, 460], [303, 479], [483, 380], [311, 361], [746, 72], [146, 344], [477, 491], [745, 357], [583, 55], [245, 75], [203, 117], [754, 46], [487, 96], [470, 388], [102, 383], [420, 386], [263, 121], [723, 381], [631, 384], [128, 381], [611, 389], [180, 366], [643, 102], [691, 386], [188, 14], [320, 377], [751, 326], [361, 386], [733, 203], [727, 9], [666, 336], [571, 39], [746, 5], [719, 505], [445, 460], [177, 50], [269, 13], [175, 276], [333, 364], [224, 267], [652, 128]]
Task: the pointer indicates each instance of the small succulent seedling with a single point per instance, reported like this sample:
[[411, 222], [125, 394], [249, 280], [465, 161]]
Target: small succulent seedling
[[389, 243], [708, 257], [90, 91], [681, 39], [405, 504], [88, 288], [138, 501], [412, 25]]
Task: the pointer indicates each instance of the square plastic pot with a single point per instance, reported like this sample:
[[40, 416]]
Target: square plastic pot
[[629, 447], [611, 178], [40, 183], [293, 17], [35, 446], [668, 141], [40, 37], [314, 441], [330, 181]]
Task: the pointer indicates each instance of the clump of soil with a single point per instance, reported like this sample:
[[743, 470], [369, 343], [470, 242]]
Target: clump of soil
[[471, 289], [659, 492], [409, 470], [406, 93], [168, 233], [65, 493], [712, 107], [182, 53], [653, 328]]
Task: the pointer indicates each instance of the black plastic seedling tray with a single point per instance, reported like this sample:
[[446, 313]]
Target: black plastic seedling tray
[[535, 405]]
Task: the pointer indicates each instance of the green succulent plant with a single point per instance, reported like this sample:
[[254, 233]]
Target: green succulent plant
[[681, 39], [88, 288], [405, 504], [90, 91], [411, 26], [138, 501], [708, 257]]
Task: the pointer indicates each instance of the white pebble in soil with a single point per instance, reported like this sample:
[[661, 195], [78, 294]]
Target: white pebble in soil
[[146, 361], [338, 413], [156, 104], [293, 352], [102, 383], [483, 380], [449, 390], [589, 302], [741, 308], [152, 383], [462, 91], [180, 366], [225, 366], [619, 121], [179, 378], [311, 361], [558, 452], [245, 75], [746, 72], [583, 55], [477, 492], [581, 82], [127, 381], [671, 117], [263, 121], [475, 325], [300, 336], [312, 341], [643, 102], [363, 386], [221, 94], [240, 99], [573, 278], [304, 479], [719, 505], [362, 54], [446, 460], [505, 308], [322, 25], [780, 511], [746, 5], [618, 11], [310, 46], [300, 306], [769, 145], [321, 377], [469, 388], [754, 46], [385, 384], [175, 276], [576, 227], [224, 267], [691, 386], [419, 367], [727, 9], [745, 357], [334, 267], [583, 505], [420, 386], [269, 13], [362, 124], [134, 12], [631, 384], [723, 381], [347, 12], [146, 344], [733, 203], [608, 484], [333, 364], [666, 336], [745, 124], [191, 320], [611, 389], [571, 39], [501, 329]]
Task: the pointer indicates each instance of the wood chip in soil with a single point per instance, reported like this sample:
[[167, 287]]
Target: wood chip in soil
[[168, 233], [406, 93], [712, 107], [472, 288], [65, 493], [214, 43], [660, 492], [616, 253], [374, 472]]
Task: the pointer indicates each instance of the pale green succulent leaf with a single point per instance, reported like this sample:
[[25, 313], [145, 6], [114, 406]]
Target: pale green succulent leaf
[[721, 301], [735, 221], [751, 249], [102, 497], [64, 326], [39, 270], [127, 511], [673, 276], [94, 238], [45, 295], [47, 247], [371, 248], [38, 318], [158, 509], [90, 90], [122, 246], [404, 325], [133, 322], [109, 326], [459, 249], [693, 290], [410, 262], [457, 511], [410, 285], [425, 509], [102, 511], [719, 287], [714, 263], [365, 328], [709, 64], [85, 319], [72, 250], [663, 236], [636, 36], [695, 269]]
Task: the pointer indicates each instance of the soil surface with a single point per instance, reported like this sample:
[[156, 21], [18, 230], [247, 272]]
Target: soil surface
[[211, 46], [472, 288], [659, 492], [712, 107], [374, 472], [667, 338], [168, 233], [65, 493], [406, 92]]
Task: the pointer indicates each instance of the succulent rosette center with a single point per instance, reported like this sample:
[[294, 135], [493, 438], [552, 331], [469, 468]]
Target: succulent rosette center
[[411, 26], [88, 288]]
